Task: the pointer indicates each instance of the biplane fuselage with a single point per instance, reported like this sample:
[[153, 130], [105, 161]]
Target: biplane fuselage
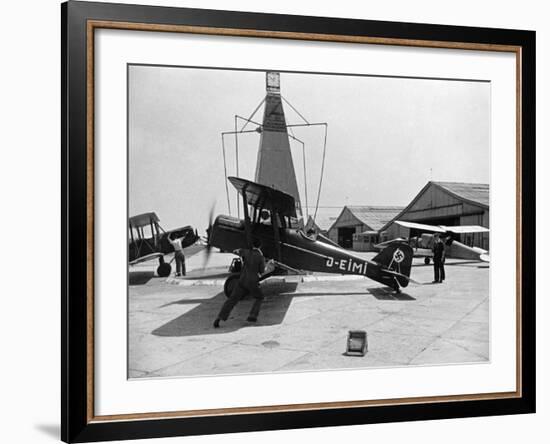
[[270, 218], [296, 251]]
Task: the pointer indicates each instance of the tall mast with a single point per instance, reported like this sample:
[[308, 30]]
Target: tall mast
[[274, 165]]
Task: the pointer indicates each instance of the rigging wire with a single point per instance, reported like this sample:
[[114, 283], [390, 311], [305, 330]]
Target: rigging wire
[[237, 164], [249, 120], [223, 134], [237, 145], [305, 179], [324, 151], [225, 176], [304, 163], [252, 115], [295, 110], [289, 127], [322, 172]]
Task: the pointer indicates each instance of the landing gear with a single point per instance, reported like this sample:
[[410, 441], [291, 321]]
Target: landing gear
[[396, 287], [236, 265], [164, 268], [427, 260], [230, 283]]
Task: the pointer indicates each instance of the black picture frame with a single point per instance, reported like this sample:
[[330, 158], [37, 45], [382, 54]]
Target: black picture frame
[[77, 422]]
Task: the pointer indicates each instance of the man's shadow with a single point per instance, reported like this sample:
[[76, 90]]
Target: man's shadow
[[198, 320]]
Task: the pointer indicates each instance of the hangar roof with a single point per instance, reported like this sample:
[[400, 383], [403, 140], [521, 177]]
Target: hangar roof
[[473, 193], [326, 216], [477, 193], [374, 217]]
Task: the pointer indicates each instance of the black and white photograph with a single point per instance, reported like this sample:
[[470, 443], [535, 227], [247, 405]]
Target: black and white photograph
[[305, 221], [242, 221]]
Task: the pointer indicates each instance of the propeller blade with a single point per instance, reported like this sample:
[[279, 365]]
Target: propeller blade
[[208, 232]]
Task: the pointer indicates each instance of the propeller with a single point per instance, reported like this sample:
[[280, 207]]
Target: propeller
[[208, 234]]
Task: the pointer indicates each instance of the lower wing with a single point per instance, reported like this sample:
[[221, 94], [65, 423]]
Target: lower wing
[[147, 257]]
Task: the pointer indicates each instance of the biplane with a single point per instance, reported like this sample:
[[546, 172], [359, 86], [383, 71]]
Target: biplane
[[147, 241], [423, 243], [270, 216]]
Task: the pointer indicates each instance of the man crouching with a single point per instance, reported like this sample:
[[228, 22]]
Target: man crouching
[[248, 283]]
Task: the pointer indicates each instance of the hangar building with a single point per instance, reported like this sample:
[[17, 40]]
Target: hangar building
[[357, 227], [326, 216], [445, 203]]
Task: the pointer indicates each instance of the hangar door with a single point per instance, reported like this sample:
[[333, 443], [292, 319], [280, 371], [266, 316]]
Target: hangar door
[[345, 236]]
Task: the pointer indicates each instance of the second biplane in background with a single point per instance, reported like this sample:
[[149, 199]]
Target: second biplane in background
[[147, 241], [422, 244]]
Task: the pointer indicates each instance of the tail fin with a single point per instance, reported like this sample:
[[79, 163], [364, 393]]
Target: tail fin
[[397, 258]]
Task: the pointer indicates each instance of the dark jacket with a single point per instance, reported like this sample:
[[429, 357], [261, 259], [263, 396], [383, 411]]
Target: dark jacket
[[253, 266], [439, 251]]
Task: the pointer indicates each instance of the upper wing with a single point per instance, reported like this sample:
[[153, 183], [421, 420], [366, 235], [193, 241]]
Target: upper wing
[[432, 228], [458, 229], [142, 219], [262, 196]]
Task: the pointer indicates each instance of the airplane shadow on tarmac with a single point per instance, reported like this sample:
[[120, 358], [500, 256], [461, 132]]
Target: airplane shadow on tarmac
[[198, 320], [140, 277], [456, 263], [278, 297]]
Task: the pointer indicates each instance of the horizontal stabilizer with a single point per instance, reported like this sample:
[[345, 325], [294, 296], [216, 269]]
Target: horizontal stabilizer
[[410, 279]]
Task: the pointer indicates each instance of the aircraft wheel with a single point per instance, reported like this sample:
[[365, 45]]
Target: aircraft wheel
[[427, 260], [230, 283], [164, 269]]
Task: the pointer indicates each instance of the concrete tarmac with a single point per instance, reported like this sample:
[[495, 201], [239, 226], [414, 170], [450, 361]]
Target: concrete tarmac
[[304, 325]]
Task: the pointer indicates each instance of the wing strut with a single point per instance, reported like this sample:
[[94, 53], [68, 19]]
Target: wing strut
[[275, 223], [246, 218]]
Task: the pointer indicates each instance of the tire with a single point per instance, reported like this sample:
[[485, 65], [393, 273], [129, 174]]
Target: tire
[[164, 269], [236, 266], [229, 284]]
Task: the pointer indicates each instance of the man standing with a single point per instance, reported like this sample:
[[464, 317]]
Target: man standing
[[439, 259], [249, 282], [178, 253]]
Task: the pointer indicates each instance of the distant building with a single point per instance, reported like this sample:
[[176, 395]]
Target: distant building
[[325, 218], [357, 227], [445, 203]]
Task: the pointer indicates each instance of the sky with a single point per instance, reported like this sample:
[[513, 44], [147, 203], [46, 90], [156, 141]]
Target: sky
[[387, 137]]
